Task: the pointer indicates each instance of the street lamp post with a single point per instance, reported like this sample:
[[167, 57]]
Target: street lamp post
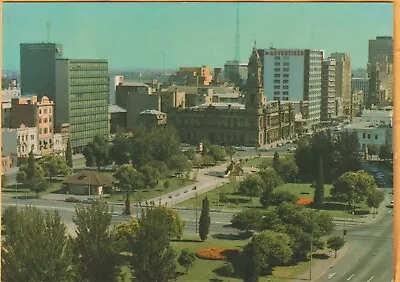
[[311, 254], [196, 211]]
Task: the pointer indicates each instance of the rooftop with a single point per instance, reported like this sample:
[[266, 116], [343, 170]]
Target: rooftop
[[151, 112], [221, 106], [115, 109], [365, 125], [90, 177]]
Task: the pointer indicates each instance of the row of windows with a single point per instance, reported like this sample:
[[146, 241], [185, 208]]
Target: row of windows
[[88, 88], [285, 93], [88, 126], [77, 98], [95, 80], [45, 111], [278, 75], [89, 103], [368, 136], [45, 120], [45, 130], [88, 118], [88, 111], [283, 99], [88, 73], [25, 138], [92, 65]]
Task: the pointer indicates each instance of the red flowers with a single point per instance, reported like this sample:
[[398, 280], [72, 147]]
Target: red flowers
[[217, 253], [304, 202]]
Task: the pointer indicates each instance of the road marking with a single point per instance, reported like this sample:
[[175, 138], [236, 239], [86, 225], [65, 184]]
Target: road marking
[[370, 279], [331, 275], [351, 276]]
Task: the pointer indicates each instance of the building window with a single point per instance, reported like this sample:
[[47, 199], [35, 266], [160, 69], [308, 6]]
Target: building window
[[277, 81], [376, 136], [285, 93], [40, 112], [285, 81], [45, 111], [277, 69], [286, 69], [277, 86], [32, 137], [286, 75], [45, 120], [286, 87], [363, 136], [40, 120], [277, 75], [285, 64], [276, 92], [369, 136], [277, 64], [277, 58]]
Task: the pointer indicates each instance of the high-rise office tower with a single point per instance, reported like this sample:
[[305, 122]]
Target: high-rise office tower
[[380, 70], [294, 75], [328, 89], [38, 68], [343, 79], [82, 99]]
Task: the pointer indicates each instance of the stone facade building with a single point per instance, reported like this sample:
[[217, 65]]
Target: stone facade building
[[257, 123]]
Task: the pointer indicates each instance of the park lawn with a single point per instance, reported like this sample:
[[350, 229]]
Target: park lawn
[[151, 193], [207, 270], [239, 202], [235, 202], [22, 191], [255, 162]]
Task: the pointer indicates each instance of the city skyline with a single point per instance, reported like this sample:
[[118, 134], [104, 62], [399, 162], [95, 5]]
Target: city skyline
[[169, 35]]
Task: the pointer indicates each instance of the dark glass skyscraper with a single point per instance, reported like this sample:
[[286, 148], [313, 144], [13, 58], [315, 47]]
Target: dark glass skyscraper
[[38, 68]]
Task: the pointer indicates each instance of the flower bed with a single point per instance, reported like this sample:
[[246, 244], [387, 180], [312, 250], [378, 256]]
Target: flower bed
[[217, 253], [304, 202]]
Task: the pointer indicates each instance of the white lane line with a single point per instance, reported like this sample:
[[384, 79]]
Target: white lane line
[[369, 280], [331, 275], [351, 276]]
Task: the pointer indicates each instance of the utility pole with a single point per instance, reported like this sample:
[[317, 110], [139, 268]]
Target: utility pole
[[311, 248], [196, 212]]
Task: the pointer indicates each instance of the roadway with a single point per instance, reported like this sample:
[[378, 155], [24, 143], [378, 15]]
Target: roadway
[[369, 257]]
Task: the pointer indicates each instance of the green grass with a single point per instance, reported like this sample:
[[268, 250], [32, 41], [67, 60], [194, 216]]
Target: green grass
[[151, 193], [206, 270], [255, 162], [238, 202], [22, 191]]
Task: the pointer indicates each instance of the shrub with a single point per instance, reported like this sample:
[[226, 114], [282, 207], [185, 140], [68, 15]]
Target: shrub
[[217, 253], [304, 202]]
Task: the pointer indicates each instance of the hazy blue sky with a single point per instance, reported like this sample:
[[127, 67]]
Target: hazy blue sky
[[135, 35]]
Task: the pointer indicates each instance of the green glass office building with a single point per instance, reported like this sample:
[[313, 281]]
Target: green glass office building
[[82, 90]]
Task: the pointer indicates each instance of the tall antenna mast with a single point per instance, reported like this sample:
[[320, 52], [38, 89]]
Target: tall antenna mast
[[237, 37], [48, 32]]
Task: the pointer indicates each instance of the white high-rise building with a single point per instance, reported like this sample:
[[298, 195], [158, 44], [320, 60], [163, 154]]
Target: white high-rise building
[[294, 75]]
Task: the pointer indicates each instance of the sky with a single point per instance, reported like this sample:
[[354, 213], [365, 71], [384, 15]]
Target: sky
[[170, 35]]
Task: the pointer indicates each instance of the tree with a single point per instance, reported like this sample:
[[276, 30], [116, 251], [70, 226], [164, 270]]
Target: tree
[[353, 187], [280, 197], [217, 152], [166, 143], [271, 180], [347, 152], [247, 220], [4, 180], [251, 186], [54, 166], [180, 163], [89, 156], [385, 152], [150, 175], [100, 152], [128, 179], [37, 183], [375, 198], [319, 186], [68, 155], [373, 149], [276, 162], [124, 235], [45, 256], [267, 250], [335, 243], [96, 257], [230, 151], [190, 153], [176, 224], [186, 259], [288, 170], [120, 149], [204, 222], [30, 169], [155, 260]]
